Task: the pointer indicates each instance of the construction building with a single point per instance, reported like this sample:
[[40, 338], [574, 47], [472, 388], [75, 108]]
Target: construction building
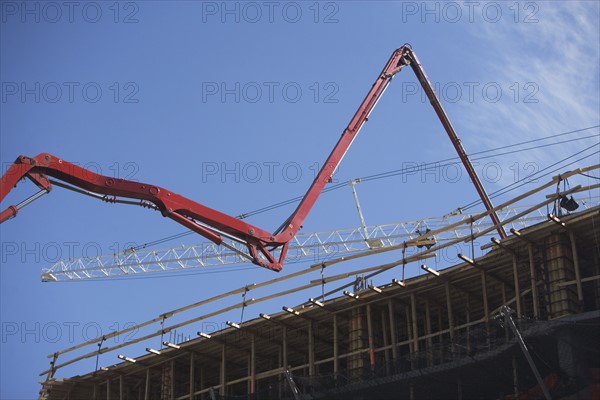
[[521, 321], [442, 335]]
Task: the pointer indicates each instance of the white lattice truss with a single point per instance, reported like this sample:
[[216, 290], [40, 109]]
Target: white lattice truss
[[309, 247]]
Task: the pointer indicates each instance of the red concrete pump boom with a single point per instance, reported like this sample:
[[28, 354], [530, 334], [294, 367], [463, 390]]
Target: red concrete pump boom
[[212, 224]]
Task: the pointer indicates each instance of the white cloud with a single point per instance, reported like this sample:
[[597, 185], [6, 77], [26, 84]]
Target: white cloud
[[555, 63]]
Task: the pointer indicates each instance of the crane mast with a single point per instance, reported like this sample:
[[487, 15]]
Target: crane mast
[[264, 248]]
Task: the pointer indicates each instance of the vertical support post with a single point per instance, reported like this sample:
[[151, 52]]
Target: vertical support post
[[252, 364], [172, 397], [121, 387], [147, 391], [95, 393], [284, 346], [450, 317], [428, 332], [191, 376], [468, 310], [393, 331], [336, 361], [597, 282], [411, 345], [222, 378], [386, 352], [534, 292], [415, 329], [486, 309], [577, 270], [440, 326], [108, 389], [202, 380], [371, 341], [505, 301], [449, 308], [311, 350], [166, 382], [279, 377], [516, 283]]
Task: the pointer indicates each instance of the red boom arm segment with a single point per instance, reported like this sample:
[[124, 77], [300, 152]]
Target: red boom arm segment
[[211, 223], [207, 222]]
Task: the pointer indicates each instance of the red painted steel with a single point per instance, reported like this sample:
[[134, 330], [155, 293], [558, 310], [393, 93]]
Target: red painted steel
[[212, 224]]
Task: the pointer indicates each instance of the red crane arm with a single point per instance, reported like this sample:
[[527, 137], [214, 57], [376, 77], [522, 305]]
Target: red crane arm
[[207, 222], [212, 224], [293, 223]]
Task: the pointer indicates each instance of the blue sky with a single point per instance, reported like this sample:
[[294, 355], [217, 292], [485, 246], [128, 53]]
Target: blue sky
[[203, 97]]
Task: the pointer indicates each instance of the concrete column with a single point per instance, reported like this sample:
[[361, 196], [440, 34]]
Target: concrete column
[[356, 361], [576, 267], [563, 299]]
